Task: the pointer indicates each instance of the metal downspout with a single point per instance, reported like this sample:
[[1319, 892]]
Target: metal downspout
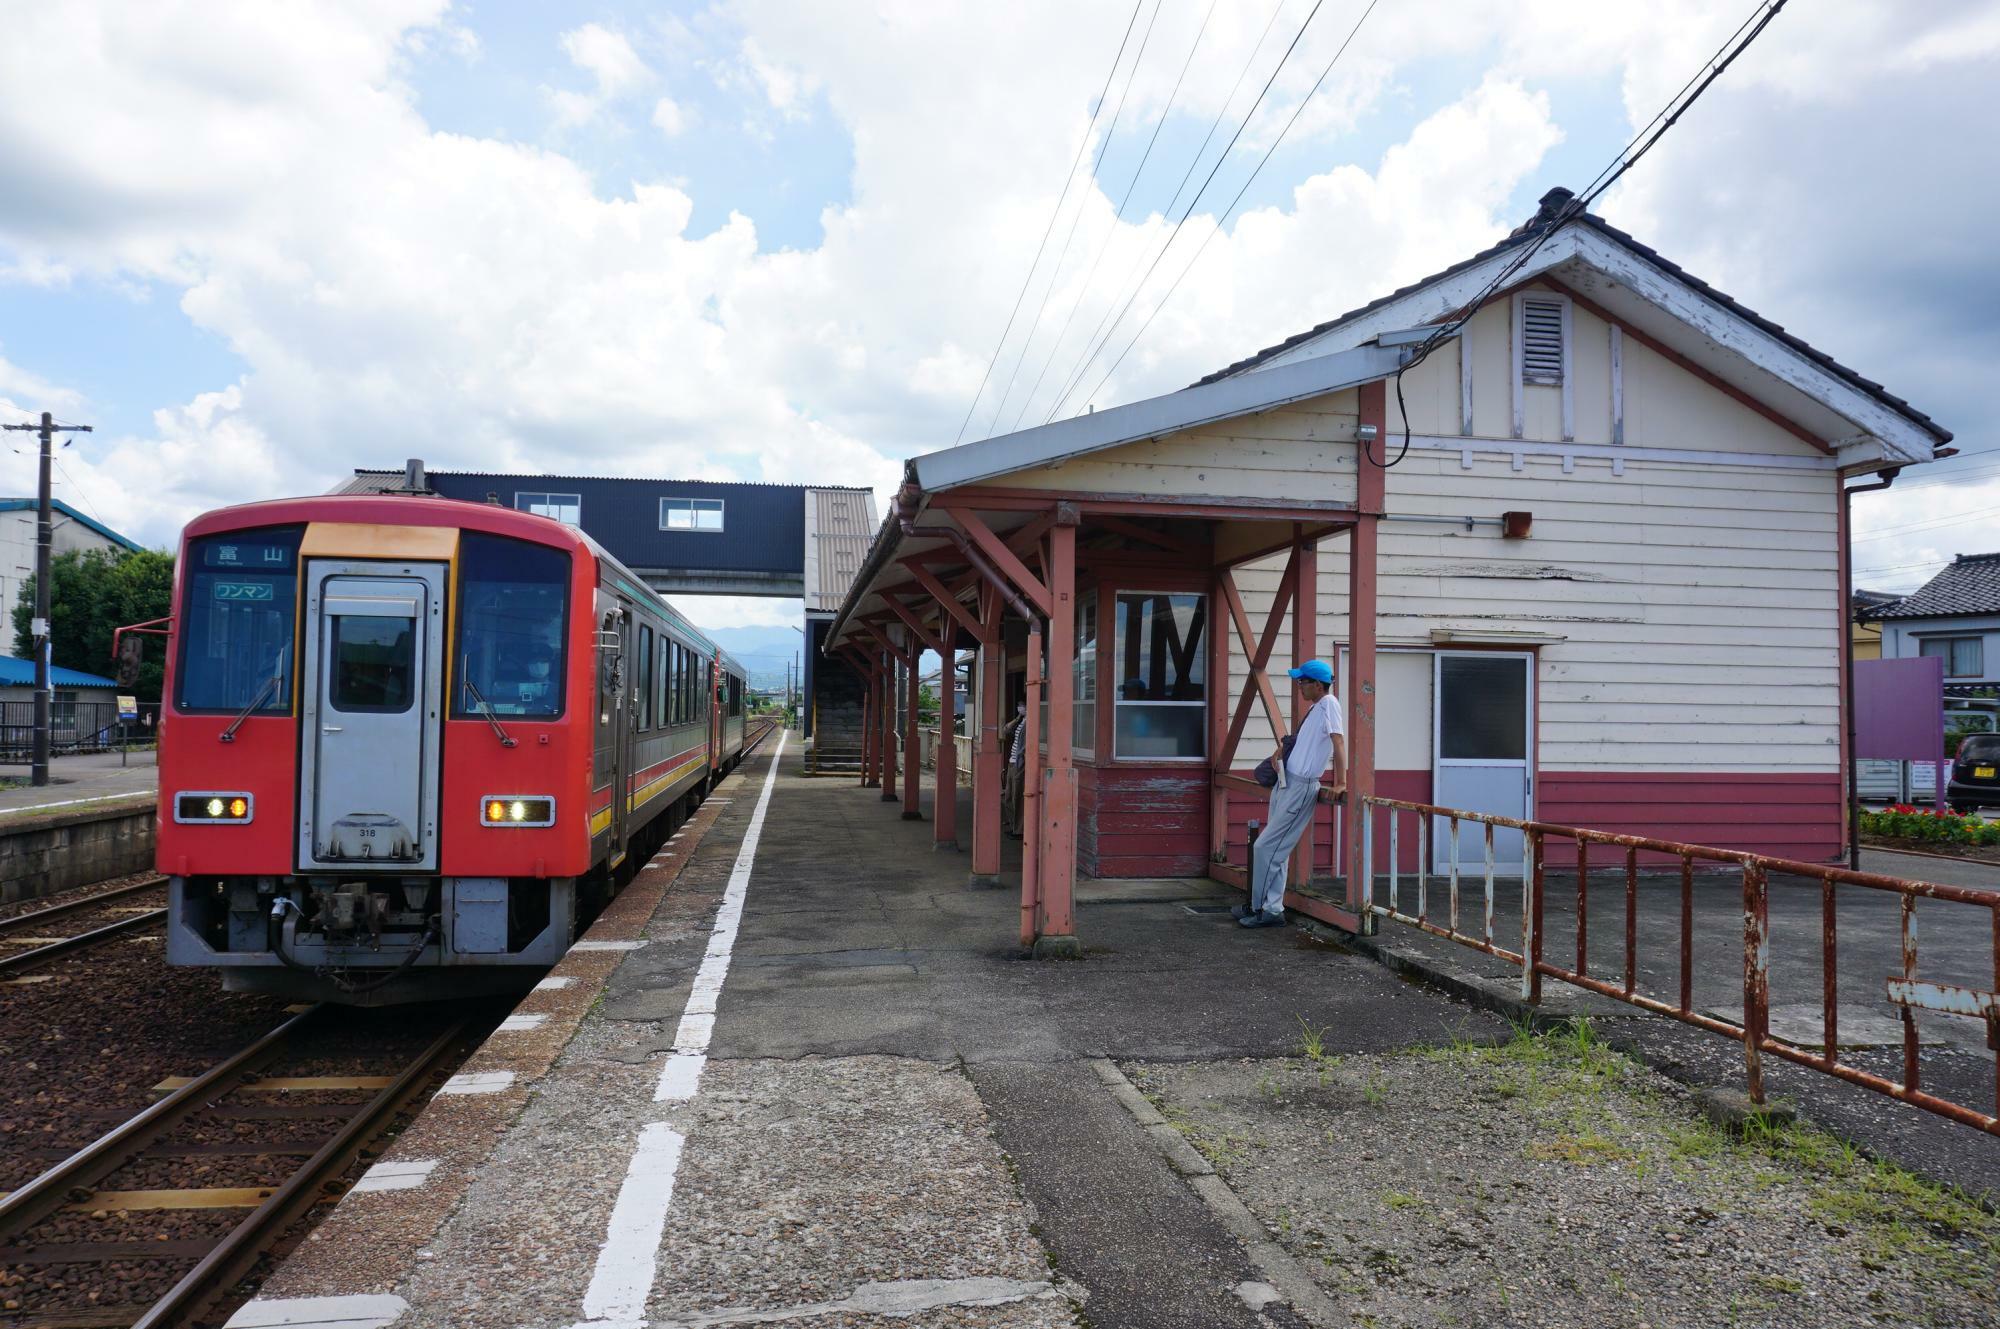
[[1847, 656]]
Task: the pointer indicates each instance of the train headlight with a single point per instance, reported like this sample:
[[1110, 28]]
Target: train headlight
[[208, 808], [517, 810]]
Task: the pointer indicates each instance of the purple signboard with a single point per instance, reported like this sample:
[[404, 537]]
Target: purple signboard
[[1899, 711], [1899, 708]]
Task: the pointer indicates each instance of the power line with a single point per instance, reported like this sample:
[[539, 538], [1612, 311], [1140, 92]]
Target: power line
[[1050, 228], [1119, 212], [1642, 142], [1069, 236], [1193, 203], [1251, 179], [1915, 527], [1068, 382]]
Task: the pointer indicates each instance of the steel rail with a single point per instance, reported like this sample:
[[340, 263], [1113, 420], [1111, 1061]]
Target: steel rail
[[39, 916], [47, 1193], [15, 964], [246, 1243]]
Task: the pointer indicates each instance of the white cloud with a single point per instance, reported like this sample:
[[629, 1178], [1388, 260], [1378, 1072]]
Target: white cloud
[[668, 117], [394, 290], [614, 67]]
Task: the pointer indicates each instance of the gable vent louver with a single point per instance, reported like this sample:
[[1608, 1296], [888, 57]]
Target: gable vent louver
[[1542, 342]]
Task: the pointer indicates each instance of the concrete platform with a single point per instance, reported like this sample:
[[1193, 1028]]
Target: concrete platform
[[800, 1074], [80, 781]]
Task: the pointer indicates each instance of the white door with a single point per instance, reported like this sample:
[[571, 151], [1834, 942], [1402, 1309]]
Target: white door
[[1482, 746], [374, 637]]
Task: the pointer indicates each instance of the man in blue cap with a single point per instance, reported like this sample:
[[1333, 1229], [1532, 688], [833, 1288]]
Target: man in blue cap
[[1320, 738]]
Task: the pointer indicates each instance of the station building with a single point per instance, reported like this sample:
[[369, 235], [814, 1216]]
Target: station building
[[1586, 563]]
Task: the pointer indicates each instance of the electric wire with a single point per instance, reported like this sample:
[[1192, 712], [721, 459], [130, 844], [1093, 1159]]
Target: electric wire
[[1193, 203], [1105, 244], [1641, 143], [1912, 528], [1049, 230], [1076, 371], [1082, 201], [1223, 220]]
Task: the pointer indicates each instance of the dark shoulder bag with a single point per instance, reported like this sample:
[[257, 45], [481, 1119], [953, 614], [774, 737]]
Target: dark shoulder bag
[[1267, 774]]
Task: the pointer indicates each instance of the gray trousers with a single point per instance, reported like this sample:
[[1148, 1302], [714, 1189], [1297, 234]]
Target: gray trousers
[[1291, 812]]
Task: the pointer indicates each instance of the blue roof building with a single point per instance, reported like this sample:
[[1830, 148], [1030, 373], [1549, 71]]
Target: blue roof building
[[19, 673]]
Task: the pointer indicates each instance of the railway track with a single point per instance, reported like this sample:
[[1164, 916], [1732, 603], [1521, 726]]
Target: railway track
[[160, 1217], [82, 923]]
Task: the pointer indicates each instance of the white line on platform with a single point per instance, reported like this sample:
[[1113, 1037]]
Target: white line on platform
[[681, 1076], [72, 802], [607, 945], [623, 1279], [396, 1175], [515, 1024], [355, 1312], [478, 1082], [553, 984]]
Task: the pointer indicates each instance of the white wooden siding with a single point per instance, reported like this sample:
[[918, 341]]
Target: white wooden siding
[[1697, 604], [1281, 454]]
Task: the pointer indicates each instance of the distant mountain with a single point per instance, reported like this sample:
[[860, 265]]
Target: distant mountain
[[764, 652]]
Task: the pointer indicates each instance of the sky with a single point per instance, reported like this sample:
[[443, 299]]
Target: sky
[[259, 244]]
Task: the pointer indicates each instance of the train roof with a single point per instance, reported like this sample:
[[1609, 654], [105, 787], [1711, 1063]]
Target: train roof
[[418, 510]]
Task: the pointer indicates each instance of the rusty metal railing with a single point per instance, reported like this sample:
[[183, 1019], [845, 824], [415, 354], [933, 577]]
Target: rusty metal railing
[[1904, 991]]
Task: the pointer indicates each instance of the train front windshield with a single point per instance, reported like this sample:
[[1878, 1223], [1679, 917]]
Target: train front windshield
[[239, 602], [513, 604]]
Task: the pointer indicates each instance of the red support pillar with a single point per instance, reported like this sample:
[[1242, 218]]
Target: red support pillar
[[944, 800], [1218, 721], [1031, 793], [913, 741], [887, 711], [989, 760], [1305, 645], [1056, 922], [1371, 488], [868, 777]]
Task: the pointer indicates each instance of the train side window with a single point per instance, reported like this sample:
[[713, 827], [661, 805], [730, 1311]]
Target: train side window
[[645, 678], [237, 621], [374, 663], [513, 605], [660, 682]]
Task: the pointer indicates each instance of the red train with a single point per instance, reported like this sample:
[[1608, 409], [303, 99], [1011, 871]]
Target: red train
[[412, 745]]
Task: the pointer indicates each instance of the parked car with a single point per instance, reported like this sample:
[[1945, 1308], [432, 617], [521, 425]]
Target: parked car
[[1975, 774]]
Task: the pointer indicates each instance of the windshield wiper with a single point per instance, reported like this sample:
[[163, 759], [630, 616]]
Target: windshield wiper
[[229, 735], [506, 740]]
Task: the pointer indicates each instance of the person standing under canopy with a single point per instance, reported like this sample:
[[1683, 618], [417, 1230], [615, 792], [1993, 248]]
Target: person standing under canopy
[[1303, 758]]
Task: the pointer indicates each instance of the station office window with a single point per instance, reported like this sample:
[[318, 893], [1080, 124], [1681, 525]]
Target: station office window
[[563, 507], [1962, 656], [690, 514], [1161, 667]]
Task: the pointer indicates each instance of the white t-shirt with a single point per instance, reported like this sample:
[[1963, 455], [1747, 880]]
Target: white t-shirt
[[1313, 746]]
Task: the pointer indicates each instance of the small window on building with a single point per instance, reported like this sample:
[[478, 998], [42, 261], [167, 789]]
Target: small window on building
[[1083, 677], [566, 508], [690, 514], [1964, 657], [1544, 339], [1161, 704]]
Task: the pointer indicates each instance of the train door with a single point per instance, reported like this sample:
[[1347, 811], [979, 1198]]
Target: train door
[[613, 762], [374, 649]]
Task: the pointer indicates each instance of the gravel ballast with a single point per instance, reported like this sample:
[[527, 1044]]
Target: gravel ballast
[[1552, 1181]]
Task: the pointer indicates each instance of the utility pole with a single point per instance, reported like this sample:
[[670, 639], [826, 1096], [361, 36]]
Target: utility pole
[[44, 543]]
